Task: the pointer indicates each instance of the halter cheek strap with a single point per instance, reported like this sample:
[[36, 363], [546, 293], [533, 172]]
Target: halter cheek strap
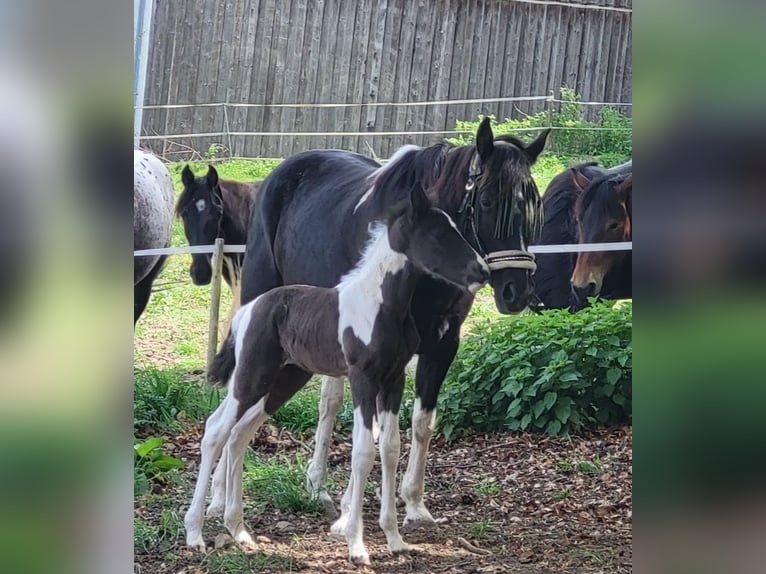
[[496, 260]]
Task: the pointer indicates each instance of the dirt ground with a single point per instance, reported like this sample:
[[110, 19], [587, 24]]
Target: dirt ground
[[520, 503]]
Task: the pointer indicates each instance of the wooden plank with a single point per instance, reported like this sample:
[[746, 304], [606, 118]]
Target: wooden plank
[[494, 65], [459, 63], [406, 48], [305, 118], [506, 109], [342, 57], [326, 69], [296, 27], [420, 73], [558, 46], [373, 65], [478, 69], [261, 62], [383, 115], [271, 145], [352, 116], [445, 23]]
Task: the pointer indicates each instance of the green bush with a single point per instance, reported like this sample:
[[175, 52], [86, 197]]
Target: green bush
[[609, 139], [555, 372], [151, 465]]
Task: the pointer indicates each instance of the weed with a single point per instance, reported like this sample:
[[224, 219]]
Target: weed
[[145, 535], [562, 494], [151, 465], [487, 488], [480, 528]]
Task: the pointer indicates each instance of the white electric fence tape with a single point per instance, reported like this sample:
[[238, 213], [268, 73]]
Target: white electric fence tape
[[569, 248]]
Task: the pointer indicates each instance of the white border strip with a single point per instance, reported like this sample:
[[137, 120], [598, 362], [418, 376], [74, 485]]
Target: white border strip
[[568, 248]]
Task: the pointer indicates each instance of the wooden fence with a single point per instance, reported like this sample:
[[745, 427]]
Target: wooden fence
[[364, 53]]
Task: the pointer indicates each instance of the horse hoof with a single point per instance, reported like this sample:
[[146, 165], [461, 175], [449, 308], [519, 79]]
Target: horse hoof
[[362, 559], [403, 548], [196, 543], [420, 523]]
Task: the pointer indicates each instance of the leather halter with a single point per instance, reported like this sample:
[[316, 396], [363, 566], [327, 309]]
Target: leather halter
[[496, 260]]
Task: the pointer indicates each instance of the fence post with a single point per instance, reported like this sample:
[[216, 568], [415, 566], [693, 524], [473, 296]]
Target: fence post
[[215, 301], [226, 127]]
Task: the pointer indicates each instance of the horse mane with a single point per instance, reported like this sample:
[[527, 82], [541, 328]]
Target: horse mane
[[442, 170], [598, 194]]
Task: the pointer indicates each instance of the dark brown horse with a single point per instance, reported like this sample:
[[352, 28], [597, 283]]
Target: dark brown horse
[[211, 208], [586, 204]]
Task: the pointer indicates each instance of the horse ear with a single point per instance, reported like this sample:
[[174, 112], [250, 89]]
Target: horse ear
[[579, 179], [536, 147], [187, 177], [485, 140], [624, 187], [212, 176]]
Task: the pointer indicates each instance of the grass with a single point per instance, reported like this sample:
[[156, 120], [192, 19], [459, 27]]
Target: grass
[[581, 466], [278, 483], [562, 494], [235, 561]]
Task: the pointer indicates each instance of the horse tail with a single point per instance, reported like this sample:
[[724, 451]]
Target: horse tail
[[224, 362]]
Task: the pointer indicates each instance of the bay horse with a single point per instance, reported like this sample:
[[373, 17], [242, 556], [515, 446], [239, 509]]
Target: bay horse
[[309, 226], [152, 221], [210, 208], [362, 328], [586, 204]]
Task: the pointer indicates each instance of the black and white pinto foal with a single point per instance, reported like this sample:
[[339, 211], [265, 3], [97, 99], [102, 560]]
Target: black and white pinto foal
[[362, 328]]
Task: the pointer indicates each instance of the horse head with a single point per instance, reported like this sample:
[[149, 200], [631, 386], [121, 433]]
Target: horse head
[[200, 207], [501, 213], [603, 212]]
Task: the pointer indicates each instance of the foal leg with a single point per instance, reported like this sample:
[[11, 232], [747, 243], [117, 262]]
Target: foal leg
[[216, 432], [218, 489], [364, 392], [329, 404], [432, 368], [389, 401], [233, 460]]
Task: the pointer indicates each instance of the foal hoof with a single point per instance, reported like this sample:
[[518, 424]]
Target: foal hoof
[[362, 559], [338, 529], [420, 523], [196, 543]]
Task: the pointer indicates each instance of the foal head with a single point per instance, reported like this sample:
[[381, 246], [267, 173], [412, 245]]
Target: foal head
[[503, 213], [430, 240], [200, 206], [603, 213]]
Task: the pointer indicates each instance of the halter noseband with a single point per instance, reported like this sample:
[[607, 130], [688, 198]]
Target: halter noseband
[[496, 260]]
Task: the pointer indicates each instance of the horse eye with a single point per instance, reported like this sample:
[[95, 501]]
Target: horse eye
[[485, 201], [613, 226]]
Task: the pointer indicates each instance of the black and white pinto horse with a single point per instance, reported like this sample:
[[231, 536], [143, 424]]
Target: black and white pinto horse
[[309, 226], [362, 328], [210, 208], [586, 204], [152, 221]]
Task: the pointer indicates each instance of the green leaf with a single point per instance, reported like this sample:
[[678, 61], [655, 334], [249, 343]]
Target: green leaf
[[553, 428], [538, 408], [166, 462], [144, 448], [568, 376], [525, 420], [613, 375], [563, 412], [550, 399]]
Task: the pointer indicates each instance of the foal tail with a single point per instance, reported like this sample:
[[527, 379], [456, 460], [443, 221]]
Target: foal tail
[[223, 363]]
